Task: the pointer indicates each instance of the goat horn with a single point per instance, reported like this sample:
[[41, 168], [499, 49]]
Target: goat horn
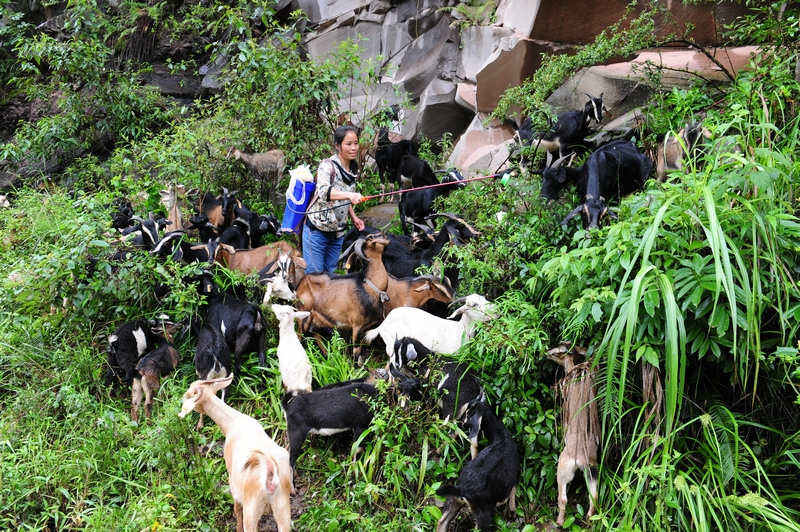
[[346, 252], [224, 190], [359, 246], [459, 300], [557, 164], [592, 97], [572, 214]]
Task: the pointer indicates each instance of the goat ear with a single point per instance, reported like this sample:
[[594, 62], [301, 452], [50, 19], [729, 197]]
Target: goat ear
[[423, 288], [612, 214], [459, 311], [300, 262], [475, 426]]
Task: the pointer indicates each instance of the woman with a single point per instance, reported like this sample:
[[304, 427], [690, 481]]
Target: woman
[[326, 219]]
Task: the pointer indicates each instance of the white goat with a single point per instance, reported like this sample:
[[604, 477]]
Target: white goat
[[259, 473], [581, 424], [437, 334], [292, 358]]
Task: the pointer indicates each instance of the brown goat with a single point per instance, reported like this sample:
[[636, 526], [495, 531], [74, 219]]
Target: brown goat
[[581, 424], [173, 200], [354, 301], [158, 363], [249, 261], [416, 291], [218, 209]]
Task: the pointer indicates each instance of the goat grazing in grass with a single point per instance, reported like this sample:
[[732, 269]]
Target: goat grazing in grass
[[580, 422], [218, 209], [212, 359], [437, 334], [259, 473], [613, 170], [292, 358], [487, 480]]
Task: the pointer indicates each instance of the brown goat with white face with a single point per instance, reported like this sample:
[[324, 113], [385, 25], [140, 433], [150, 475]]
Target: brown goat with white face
[[354, 301], [581, 424]]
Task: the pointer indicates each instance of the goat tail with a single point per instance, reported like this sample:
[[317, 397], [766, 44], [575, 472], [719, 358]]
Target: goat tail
[[263, 466], [448, 491], [370, 336]]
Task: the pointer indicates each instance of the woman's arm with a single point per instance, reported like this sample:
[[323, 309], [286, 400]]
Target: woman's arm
[[358, 222], [354, 197]]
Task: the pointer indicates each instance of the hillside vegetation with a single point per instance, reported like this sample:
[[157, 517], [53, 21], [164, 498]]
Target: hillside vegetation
[[689, 304]]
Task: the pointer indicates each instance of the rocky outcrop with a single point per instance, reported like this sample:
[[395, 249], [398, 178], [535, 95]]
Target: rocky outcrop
[[455, 69]]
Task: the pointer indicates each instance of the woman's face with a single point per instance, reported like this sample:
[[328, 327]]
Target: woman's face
[[348, 149]]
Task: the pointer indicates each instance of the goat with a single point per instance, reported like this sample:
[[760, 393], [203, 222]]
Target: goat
[[122, 218], [250, 261], [172, 198], [240, 322], [265, 166], [676, 148], [292, 358], [567, 133], [581, 423], [218, 209], [129, 343], [416, 292], [176, 245], [326, 411], [212, 359], [490, 478], [205, 229], [256, 226], [335, 408], [388, 154], [259, 473], [615, 169], [458, 387], [280, 276], [158, 363], [418, 204], [437, 334], [354, 301]]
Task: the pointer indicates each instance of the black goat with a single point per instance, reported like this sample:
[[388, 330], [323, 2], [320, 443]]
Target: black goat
[[255, 225], [177, 246], [418, 204], [613, 170], [212, 359], [123, 217], [388, 155], [326, 411], [488, 479], [459, 386], [567, 134], [205, 229], [240, 322]]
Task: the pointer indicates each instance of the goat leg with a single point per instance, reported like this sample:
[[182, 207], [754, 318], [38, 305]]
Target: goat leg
[[566, 472], [237, 512], [590, 472], [452, 506]]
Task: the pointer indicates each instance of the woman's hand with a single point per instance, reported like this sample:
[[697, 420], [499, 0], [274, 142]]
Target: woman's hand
[[356, 198], [359, 223]]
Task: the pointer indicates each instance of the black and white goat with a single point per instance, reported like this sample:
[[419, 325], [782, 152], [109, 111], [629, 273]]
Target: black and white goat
[[613, 170], [158, 363], [129, 343], [487, 480]]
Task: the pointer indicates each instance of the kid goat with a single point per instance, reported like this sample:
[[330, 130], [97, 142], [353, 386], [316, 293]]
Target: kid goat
[[259, 473]]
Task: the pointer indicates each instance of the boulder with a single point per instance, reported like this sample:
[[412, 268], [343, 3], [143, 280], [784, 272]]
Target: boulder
[[366, 33], [318, 11], [478, 45], [515, 59], [437, 114], [478, 146], [517, 16], [420, 64], [466, 96]]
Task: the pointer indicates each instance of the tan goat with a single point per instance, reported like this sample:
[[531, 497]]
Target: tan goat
[[580, 422], [173, 198], [250, 261], [675, 148], [259, 473]]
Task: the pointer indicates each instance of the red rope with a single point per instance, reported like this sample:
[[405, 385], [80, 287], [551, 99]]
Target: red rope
[[492, 176]]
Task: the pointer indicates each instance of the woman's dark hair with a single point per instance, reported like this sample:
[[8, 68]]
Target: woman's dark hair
[[338, 137]]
